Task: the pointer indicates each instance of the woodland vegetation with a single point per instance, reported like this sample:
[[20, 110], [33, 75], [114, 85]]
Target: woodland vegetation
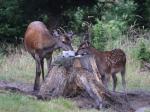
[[111, 20]]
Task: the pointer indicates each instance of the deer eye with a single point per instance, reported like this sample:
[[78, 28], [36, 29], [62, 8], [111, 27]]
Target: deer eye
[[63, 41], [67, 39], [81, 47]]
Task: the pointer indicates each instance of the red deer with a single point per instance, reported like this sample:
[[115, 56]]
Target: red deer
[[108, 62], [40, 44]]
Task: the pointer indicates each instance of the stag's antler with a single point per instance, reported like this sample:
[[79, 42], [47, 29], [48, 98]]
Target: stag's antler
[[87, 36], [62, 30], [59, 30]]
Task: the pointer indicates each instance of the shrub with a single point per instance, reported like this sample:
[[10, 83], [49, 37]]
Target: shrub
[[123, 10], [76, 18], [11, 20], [103, 32], [143, 54]]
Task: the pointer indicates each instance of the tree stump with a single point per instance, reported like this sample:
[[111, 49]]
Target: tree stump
[[81, 76]]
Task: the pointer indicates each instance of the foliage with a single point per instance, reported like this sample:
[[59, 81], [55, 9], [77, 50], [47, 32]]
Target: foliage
[[76, 18], [11, 19], [104, 32], [15, 15], [123, 10], [142, 13], [143, 54], [102, 10], [141, 50]]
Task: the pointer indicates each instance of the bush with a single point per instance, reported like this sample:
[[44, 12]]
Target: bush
[[76, 18], [102, 33], [143, 54], [11, 20], [123, 10]]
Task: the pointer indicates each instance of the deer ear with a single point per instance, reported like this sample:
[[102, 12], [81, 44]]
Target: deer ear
[[87, 43], [70, 34], [59, 31], [55, 33]]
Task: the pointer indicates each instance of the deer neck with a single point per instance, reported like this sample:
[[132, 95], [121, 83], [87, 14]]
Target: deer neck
[[97, 53], [93, 50], [59, 44], [56, 44]]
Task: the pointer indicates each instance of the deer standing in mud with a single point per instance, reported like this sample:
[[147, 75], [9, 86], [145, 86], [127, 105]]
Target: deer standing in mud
[[40, 44], [108, 63]]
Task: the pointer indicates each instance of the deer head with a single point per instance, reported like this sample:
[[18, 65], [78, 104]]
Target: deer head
[[63, 39], [84, 48]]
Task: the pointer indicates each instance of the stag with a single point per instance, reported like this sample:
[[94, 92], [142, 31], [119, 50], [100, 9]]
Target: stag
[[108, 63], [40, 44]]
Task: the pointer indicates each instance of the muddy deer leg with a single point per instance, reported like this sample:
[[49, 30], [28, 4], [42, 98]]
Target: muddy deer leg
[[114, 81], [42, 68], [105, 81], [38, 73]]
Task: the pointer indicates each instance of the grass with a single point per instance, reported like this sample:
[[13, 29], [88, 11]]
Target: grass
[[14, 102], [20, 67], [17, 67]]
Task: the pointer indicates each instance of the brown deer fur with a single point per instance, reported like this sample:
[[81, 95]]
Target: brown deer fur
[[108, 62], [41, 44]]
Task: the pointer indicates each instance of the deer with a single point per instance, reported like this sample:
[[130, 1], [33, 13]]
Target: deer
[[40, 43], [108, 63]]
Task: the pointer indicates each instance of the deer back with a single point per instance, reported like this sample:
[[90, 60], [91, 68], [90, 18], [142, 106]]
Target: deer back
[[37, 37], [107, 61]]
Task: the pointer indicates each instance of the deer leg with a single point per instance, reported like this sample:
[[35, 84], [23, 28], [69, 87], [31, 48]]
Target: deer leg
[[38, 73], [124, 82], [105, 80], [42, 68], [49, 60], [114, 81]]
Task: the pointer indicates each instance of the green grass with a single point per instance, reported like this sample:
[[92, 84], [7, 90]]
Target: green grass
[[13, 102], [17, 67]]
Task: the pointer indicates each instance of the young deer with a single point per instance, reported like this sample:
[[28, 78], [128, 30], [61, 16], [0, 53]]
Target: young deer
[[41, 44], [108, 62]]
